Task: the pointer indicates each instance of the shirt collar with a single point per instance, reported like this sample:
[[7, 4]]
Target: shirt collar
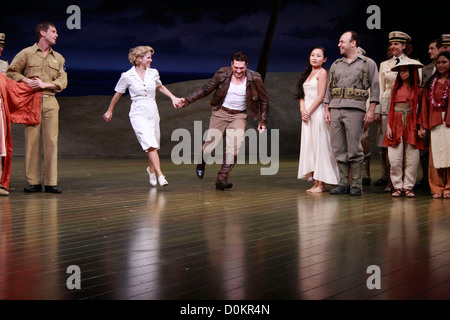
[[36, 48]]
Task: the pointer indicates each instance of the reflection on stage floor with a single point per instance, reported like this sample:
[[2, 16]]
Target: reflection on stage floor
[[110, 235]]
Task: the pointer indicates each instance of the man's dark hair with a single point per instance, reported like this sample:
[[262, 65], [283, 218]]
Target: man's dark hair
[[43, 26], [239, 56], [354, 37]]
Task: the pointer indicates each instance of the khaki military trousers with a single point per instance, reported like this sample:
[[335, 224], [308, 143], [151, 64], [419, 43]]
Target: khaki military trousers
[[49, 129], [346, 130]]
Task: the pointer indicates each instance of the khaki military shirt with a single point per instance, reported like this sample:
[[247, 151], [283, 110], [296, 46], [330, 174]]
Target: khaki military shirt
[[3, 66], [346, 75], [30, 63]]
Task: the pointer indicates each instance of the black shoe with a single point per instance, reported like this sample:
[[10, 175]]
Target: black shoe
[[52, 189], [222, 185], [200, 170], [33, 188], [381, 183], [366, 182], [340, 190], [422, 184], [355, 191]]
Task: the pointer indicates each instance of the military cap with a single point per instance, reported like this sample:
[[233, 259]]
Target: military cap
[[2, 38], [446, 39], [398, 36]]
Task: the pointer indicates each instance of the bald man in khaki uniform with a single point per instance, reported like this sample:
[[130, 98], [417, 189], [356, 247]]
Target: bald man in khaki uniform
[[350, 79], [42, 68]]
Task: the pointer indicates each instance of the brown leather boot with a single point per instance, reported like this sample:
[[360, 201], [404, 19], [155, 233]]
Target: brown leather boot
[[222, 177]]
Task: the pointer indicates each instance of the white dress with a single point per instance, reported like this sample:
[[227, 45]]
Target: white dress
[[315, 148], [144, 115]]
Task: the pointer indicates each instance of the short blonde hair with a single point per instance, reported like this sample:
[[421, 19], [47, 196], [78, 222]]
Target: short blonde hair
[[137, 52]]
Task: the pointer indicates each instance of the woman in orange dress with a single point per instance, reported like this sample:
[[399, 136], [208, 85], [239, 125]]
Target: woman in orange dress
[[435, 118], [402, 137]]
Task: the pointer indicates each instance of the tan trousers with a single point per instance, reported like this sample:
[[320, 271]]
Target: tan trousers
[[233, 126], [404, 161], [49, 129], [439, 179]]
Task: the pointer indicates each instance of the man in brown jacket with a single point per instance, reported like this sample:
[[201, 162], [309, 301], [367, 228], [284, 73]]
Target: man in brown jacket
[[236, 90]]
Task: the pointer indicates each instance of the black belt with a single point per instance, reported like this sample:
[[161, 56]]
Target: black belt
[[232, 111]]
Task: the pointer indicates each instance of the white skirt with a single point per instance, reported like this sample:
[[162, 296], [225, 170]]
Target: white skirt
[[144, 118], [440, 142]]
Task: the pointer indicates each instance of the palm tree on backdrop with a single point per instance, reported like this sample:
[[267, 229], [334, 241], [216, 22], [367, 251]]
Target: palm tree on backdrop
[[265, 52]]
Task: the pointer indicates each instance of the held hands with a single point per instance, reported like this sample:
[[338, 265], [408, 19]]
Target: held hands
[[180, 104], [421, 132], [261, 128]]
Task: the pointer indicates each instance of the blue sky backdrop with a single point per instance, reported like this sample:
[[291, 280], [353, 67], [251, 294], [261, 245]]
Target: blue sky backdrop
[[200, 36]]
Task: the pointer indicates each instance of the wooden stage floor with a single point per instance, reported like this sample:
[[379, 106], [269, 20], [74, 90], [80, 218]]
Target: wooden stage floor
[[264, 239]]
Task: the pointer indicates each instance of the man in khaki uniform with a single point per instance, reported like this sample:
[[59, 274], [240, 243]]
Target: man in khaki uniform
[[42, 68], [350, 79], [3, 63]]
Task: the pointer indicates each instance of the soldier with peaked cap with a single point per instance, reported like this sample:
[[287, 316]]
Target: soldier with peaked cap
[[400, 48], [3, 63], [445, 43]]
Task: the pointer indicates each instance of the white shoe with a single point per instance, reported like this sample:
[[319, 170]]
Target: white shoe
[[162, 181], [152, 178]]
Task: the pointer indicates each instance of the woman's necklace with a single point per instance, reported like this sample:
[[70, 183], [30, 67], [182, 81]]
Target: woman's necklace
[[445, 92]]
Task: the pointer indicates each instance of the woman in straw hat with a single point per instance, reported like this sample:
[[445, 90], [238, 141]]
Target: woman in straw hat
[[401, 136], [435, 118]]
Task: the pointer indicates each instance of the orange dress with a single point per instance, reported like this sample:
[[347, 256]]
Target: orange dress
[[20, 104], [404, 128]]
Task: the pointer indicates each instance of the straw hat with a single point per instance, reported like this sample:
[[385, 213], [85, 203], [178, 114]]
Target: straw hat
[[408, 62]]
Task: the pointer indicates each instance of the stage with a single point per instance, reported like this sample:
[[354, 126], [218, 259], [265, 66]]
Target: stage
[[112, 236]]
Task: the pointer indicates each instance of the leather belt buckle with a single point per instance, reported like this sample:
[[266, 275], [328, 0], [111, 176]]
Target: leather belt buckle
[[231, 111]]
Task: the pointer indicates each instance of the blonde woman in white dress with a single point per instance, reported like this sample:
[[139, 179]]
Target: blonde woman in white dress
[[317, 162], [142, 82]]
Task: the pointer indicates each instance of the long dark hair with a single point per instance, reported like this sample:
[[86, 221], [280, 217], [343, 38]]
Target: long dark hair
[[306, 72], [413, 79], [436, 73]]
